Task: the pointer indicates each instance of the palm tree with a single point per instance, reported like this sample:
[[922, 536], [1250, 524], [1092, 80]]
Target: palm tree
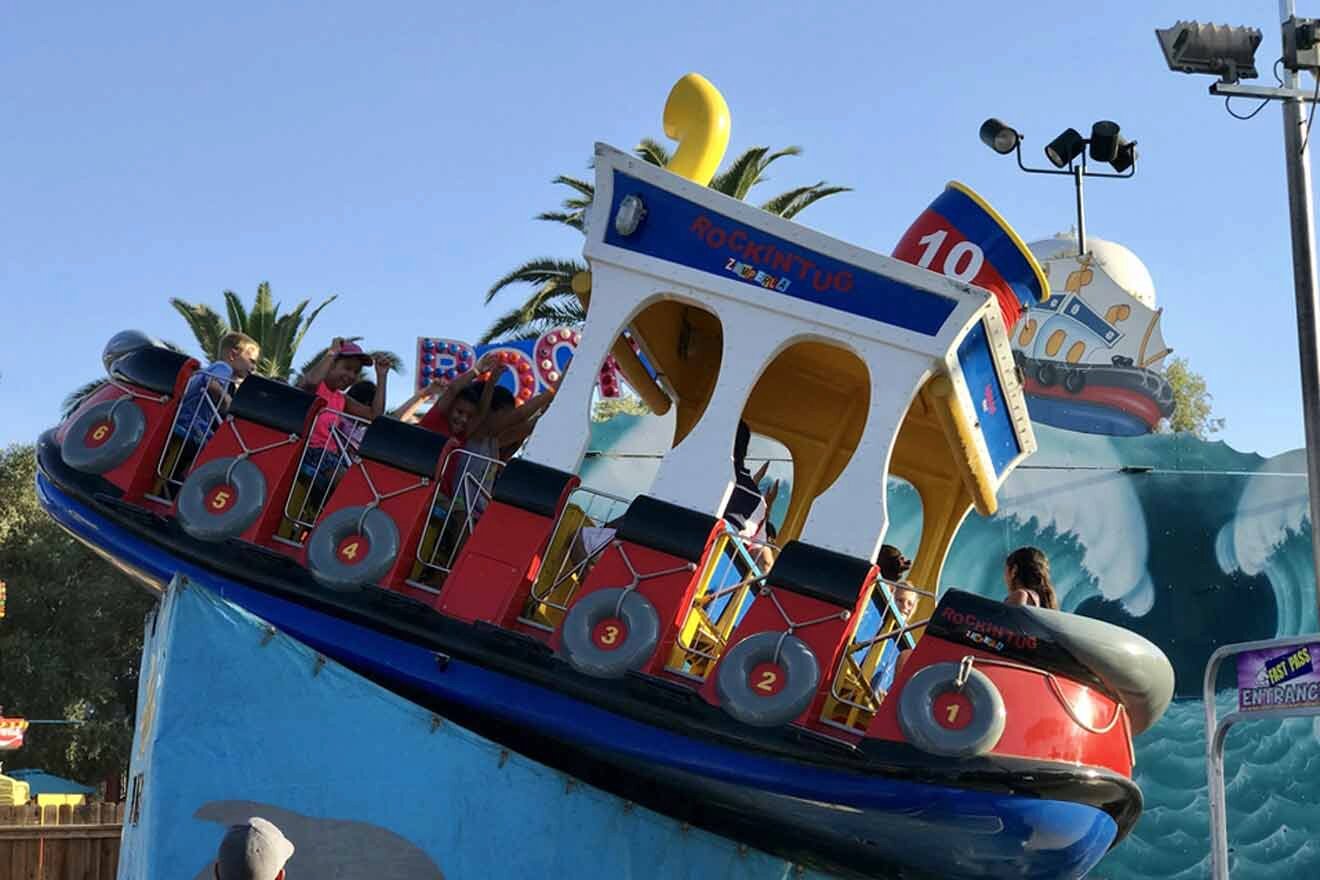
[[278, 335], [75, 398], [552, 302]]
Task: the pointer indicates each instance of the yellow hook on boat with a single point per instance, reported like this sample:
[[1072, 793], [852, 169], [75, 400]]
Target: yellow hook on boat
[[697, 116]]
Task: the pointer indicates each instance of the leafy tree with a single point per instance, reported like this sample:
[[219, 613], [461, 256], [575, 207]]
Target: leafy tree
[[71, 639], [279, 335], [1193, 404], [629, 405], [552, 302]]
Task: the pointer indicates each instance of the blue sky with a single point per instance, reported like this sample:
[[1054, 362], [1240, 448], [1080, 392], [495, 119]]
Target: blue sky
[[395, 153]]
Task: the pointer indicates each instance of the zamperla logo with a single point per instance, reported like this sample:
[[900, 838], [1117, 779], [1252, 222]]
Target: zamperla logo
[[993, 636], [764, 264], [987, 641]]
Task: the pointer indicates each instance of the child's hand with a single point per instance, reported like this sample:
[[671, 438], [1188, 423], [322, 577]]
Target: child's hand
[[336, 344], [771, 494], [382, 371], [487, 362]]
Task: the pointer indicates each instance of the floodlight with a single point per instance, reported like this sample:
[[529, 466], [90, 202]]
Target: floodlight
[[1301, 44], [1066, 147], [1228, 52], [1125, 156], [1104, 141], [999, 137]]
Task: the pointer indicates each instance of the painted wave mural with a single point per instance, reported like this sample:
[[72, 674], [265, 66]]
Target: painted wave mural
[[1193, 544]]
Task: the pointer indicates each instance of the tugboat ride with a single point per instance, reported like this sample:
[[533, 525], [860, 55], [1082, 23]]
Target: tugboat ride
[[671, 659]]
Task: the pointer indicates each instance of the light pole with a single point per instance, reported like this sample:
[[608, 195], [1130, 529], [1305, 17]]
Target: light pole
[[1229, 52], [1105, 143]]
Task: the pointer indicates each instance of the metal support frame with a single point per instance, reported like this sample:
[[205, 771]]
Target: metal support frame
[[1077, 171], [1301, 216], [471, 495], [1216, 729], [1301, 213]]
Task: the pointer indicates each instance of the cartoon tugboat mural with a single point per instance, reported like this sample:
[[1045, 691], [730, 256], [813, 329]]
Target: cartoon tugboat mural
[[1089, 353], [747, 706]]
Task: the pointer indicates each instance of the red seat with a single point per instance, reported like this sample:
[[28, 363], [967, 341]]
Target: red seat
[[1054, 706], [629, 612], [493, 573], [267, 424], [146, 387], [371, 524], [807, 610]]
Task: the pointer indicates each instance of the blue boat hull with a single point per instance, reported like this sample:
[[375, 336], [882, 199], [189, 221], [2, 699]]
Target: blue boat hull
[[846, 819], [1085, 417]]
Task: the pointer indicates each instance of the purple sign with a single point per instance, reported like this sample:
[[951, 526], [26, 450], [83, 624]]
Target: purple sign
[[1279, 678]]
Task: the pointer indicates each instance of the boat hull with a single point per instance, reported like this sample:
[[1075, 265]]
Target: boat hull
[[1121, 401], [882, 809]]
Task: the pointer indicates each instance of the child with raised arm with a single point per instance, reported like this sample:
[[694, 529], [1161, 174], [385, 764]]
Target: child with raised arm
[[330, 377], [497, 425], [455, 409]]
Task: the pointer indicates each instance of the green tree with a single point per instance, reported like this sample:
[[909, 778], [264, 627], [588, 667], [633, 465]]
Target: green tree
[[628, 405], [70, 641], [1193, 404], [279, 335], [552, 302]]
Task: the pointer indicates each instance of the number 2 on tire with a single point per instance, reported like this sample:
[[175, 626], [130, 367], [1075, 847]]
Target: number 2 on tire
[[767, 682]]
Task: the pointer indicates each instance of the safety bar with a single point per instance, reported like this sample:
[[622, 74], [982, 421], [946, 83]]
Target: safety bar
[[1217, 728], [892, 626], [189, 432], [717, 625], [473, 478], [564, 569], [321, 468]]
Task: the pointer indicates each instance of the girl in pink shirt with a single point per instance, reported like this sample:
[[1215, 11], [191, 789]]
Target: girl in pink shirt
[[330, 377]]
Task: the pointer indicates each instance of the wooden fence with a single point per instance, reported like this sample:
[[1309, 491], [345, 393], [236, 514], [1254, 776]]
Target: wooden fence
[[60, 843]]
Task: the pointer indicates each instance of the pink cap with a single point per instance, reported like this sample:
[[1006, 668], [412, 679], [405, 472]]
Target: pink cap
[[352, 349]]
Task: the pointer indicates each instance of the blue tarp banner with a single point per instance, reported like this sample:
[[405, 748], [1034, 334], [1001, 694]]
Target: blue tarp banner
[[237, 720]]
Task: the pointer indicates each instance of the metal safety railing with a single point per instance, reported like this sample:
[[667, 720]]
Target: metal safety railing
[[320, 468], [193, 424], [460, 498], [580, 535], [1276, 678], [734, 568], [855, 696]]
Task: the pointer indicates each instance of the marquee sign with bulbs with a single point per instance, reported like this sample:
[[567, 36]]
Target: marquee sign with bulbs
[[532, 364]]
